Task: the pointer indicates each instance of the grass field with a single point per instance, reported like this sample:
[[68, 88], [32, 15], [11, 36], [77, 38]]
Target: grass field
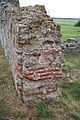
[[67, 28], [71, 91], [69, 22]]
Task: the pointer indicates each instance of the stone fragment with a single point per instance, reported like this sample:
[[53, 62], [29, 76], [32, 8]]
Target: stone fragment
[[71, 46]]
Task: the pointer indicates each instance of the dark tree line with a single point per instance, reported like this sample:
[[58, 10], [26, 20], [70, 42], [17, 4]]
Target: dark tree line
[[77, 24]]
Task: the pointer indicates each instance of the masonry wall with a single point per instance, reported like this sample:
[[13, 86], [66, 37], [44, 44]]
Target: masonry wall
[[31, 43]]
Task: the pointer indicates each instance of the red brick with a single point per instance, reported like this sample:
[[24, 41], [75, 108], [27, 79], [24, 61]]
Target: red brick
[[36, 92], [18, 52], [27, 77], [50, 52], [20, 64]]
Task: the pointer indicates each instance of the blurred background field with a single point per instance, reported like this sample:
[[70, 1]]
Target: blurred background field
[[67, 28], [70, 90]]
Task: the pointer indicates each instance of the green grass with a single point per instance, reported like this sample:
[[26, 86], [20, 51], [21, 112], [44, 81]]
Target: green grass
[[4, 110], [74, 116], [67, 29], [42, 112], [65, 21], [70, 100], [72, 63], [70, 32], [73, 90]]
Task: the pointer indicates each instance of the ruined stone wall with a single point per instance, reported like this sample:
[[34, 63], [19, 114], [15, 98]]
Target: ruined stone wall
[[31, 43], [4, 25], [71, 46]]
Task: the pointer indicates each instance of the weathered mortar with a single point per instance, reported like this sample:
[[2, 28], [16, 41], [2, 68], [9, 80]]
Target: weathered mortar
[[31, 42]]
